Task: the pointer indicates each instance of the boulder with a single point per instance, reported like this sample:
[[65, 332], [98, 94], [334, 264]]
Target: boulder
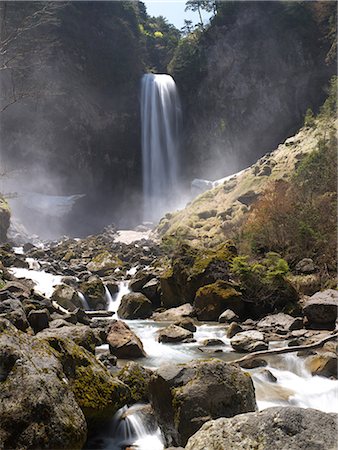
[[323, 364], [233, 329], [173, 333], [228, 316], [37, 408], [249, 341], [286, 428], [187, 323], [306, 266], [191, 269], [39, 319], [174, 314], [141, 279], [96, 391], [95, 293], [104, 263], [213, 299], [12, 310], [152, 290], [137, 378], [82, 335], [321, 309], [66, 296], [123, 343], [280, 321], [185, 396], [135, 306]]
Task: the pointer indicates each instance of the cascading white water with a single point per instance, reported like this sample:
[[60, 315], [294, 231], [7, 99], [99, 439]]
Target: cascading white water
[[161, 123], [85, 304], [113, 301], [129, 428]]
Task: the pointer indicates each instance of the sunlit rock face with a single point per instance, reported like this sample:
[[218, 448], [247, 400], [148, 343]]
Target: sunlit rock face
[[260, 66]]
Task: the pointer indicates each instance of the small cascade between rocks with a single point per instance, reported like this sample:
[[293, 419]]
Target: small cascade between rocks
[[161, 123], [130, 428], [113, 301], [83, 301]]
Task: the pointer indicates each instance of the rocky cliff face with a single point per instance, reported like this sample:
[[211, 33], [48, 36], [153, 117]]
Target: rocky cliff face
[[248, 80], [76, 129]]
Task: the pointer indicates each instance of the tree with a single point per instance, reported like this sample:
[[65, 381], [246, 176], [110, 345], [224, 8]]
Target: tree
[[199, 5]]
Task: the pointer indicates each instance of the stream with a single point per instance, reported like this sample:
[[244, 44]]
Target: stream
[[284, 381]]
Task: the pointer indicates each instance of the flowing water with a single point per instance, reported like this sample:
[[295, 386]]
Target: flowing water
[[292, 384], [161, 123]]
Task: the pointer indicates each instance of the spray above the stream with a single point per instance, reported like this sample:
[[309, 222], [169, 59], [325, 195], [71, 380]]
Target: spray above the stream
[[161, 126]]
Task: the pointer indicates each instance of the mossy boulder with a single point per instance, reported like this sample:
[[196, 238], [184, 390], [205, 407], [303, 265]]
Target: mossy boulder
[[37, 407], [137, 378], [82, 335], [94, 292], [67, 297], [190, 269], [104, 263], [135, 306], [213, 299], [185, 396], [96, 391], [5, 217]]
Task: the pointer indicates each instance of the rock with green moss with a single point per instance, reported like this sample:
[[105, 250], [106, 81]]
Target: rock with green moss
[[37, 408], [213, 299], [82, 335], [191, 269], [104, 264], [94, 291], [137, 378], [96, 391], [185, 396]]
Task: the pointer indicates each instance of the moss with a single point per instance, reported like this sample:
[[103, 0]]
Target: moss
[[137, 379]]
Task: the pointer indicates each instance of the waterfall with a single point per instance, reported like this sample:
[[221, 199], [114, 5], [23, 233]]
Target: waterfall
[[161, 123]]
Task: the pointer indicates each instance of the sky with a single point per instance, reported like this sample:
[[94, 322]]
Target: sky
[[173, 10]]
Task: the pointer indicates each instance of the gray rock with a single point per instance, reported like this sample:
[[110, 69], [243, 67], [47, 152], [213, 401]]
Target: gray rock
[[39, 319], [249, 341], [321, 308], [123, 342], [135, 306], [66, 296], [13, 311], [287, 428], [185, 396], [173, 333], [187, 323], [306, 266], [228, 316], [233, 329], [281, 321], [174, 314], [80, 334]]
